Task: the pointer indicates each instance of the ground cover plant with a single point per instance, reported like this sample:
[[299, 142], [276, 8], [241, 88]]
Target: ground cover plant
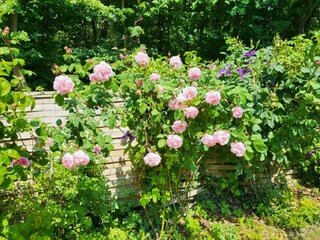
[[258, 109]]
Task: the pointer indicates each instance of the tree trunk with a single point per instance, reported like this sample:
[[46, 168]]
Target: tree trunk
[[305, 12], [13, 25]]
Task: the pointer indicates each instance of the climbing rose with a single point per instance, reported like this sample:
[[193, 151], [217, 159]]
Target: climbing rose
[[189, 93], [102, 72], [209, 140], [49, 142], [25, 162], [154, 77], [237, 112], [194, 73], [160, 89], [80, 157], [152, 159], [179, 127], [222, 137], [142, 59], [190, 112], [174, 141], [97, 149], [175, 62], [139, 82], [63, 84], [67, 161], [238, 148], [213, 97], [93, 77]]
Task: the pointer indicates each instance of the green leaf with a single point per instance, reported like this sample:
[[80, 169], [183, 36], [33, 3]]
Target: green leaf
[[13, 154], [5, 87], [279, 68], [161, 143], [59, 99], [305, 69], [259, 144]]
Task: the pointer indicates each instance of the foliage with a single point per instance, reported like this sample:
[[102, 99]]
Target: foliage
[[301, 214], [59, 203], [14, 103], [167, 26]]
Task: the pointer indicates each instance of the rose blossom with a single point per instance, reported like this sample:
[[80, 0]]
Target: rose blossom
[[318, 63], [190, 112], [194, 73], [142, 59], [139, 82], [213, 97], [175, 62], [154, 77], [189, 93], [93, 77], [80, 157], [121, 56], [238, 148], [179, 127], [63, 84], [96, 149], [152, 159], [49, 142], [67, 161], [160, 89], [222, 137], [25, 162], [237, 112], [174, 141], [103, 71], [209, 140]]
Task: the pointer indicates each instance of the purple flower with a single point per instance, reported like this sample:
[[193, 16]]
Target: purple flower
[[250, 54], [127, 137], [224, 71], [228, 72], [246, 70], [240, 71]]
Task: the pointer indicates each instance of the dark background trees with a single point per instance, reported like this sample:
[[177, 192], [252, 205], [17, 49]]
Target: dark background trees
[[92, 27]]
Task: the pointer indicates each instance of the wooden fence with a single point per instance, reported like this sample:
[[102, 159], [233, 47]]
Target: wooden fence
[[119, 166]]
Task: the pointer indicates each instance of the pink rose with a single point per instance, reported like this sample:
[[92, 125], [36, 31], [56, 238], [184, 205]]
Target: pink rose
[[80, 157], [5, 31], [189, 93], [139, 82], [152, 159], [222, 137], [237, 112], [194, 73], [97, 149], [179, 127], [190, 112], [160, 89], [213, 97], [238, 148], [49, 142], [93, 77], [175, 62], [142, 59], [103, 71], [121, 56], [318, 63], [154, 77], [67, 161], [212, 67], [174, 141], [63, 84], [25, 162], [173, 105], [209, 140], [138, 92], [69, 50]]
